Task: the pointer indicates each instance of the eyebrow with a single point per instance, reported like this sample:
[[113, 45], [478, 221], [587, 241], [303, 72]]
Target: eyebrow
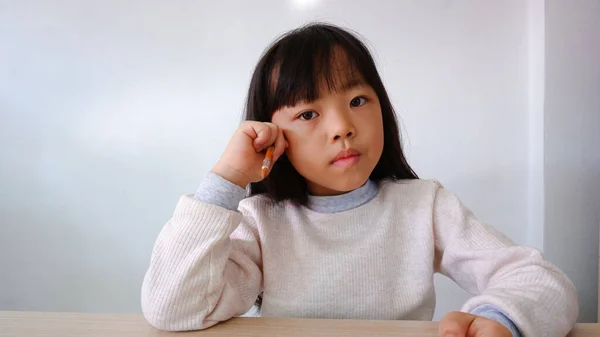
[[349, 84], [352, 83]]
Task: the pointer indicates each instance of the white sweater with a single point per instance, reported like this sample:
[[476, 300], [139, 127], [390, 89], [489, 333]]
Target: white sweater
[[375, 261]]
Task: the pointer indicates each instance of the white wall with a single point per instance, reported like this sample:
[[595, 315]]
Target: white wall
[[572, 144], [110, 110]]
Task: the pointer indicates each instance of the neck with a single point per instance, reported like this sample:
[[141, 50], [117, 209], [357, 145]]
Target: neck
[[343, 202]]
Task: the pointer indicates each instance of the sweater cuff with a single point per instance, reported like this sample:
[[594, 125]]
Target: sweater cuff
[[491, 312], [218, 191]]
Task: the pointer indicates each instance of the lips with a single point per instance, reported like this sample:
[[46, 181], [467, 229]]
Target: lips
[[347, 155]]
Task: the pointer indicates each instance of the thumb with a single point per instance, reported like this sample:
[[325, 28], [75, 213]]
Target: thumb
[[455, 324]]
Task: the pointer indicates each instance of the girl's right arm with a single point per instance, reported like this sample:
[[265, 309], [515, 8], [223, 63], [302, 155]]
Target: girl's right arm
[[206, 263]]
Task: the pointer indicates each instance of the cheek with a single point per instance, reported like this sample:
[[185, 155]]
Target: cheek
[[374, 128], [378, 145], [376, 138], [380, 134], [298, 152], [303, 154]]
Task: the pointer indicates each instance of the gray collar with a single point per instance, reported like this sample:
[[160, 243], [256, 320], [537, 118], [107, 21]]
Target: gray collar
[[343, 202]]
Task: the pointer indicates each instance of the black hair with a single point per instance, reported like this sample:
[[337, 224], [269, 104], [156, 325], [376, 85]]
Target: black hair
[[289, 71]]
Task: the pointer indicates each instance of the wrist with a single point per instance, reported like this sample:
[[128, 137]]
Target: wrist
[[488, 311], [230, 174]]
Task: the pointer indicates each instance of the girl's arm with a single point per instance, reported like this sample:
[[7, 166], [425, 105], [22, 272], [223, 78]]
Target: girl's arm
[[206, 263], [513, 280]]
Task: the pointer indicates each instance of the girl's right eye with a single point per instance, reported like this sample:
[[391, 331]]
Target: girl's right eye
[[308, 115]]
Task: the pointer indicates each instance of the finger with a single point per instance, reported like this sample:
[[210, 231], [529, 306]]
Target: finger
[[280, 145], [275, 131], [455, 324], [260, 133], [267, 136]]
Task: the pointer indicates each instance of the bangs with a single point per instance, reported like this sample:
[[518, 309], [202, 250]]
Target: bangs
[[309, 62]]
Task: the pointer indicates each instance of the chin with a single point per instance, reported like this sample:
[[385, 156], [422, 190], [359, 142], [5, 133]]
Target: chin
[[339, 185], [352, 185]]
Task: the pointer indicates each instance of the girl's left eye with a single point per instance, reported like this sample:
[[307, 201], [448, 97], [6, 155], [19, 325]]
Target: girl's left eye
[[358, 101]]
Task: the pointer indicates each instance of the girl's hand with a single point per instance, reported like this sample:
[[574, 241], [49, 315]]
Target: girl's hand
[[242, 160], [460, 324]]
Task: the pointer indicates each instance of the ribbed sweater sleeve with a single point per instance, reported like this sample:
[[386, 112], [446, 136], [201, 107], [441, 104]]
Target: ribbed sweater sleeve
[[532, 292], [205, 268]]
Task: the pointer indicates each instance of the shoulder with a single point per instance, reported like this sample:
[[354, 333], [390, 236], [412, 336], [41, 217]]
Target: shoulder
[[414, 189], [422, 192], [260, 206]]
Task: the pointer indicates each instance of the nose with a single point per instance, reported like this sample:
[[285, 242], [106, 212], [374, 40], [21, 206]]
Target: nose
[[342, 126]]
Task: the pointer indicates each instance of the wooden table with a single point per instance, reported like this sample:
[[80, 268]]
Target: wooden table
[[37, 324]]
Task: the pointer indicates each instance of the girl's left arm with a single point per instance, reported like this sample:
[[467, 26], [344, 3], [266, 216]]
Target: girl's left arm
[[514, 280]]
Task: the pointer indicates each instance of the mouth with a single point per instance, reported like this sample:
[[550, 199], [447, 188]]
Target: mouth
[[345, 158]]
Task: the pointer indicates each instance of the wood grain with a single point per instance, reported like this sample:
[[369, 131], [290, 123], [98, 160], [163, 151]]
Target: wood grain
[[47, 324]]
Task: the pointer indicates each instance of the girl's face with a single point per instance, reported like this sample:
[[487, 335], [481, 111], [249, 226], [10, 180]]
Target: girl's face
[[336, 141]]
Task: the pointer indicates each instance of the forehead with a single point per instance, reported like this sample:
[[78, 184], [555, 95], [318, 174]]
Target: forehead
[[341, 74], [306, 80]]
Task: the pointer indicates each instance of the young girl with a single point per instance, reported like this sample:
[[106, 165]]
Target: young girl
[[341, 227]]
